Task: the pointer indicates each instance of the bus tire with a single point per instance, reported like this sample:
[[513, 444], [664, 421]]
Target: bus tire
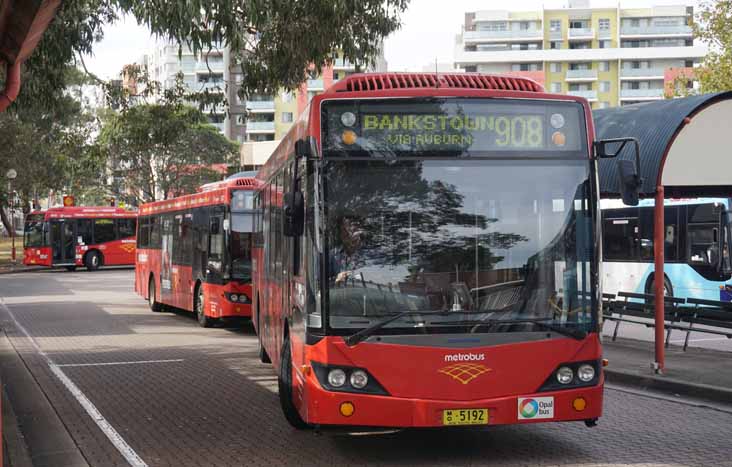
[[263, 356], [199, 308], [284, 385], [70, 268], [93, 259], [668, 289], [152, 296]]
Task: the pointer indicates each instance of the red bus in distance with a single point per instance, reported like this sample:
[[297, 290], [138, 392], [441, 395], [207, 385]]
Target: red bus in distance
[[73, 236], [194, 252], [426, 255]]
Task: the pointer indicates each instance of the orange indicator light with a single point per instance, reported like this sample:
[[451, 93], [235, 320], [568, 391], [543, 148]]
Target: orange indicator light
[[347, 409], [349, 137], [306, 370], [605, 362], [579, 404], [559, 139]]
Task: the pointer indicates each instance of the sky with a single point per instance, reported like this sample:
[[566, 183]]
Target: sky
[[427, 33]]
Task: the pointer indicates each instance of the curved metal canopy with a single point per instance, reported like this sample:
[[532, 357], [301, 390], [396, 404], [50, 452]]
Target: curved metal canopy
[[657, 126]]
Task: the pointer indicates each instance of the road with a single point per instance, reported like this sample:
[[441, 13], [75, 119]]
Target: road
[[172, 394]]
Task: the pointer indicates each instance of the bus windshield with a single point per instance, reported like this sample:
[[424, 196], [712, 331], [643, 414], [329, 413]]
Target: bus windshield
[[242, 226], [486, 240], [35, 231]]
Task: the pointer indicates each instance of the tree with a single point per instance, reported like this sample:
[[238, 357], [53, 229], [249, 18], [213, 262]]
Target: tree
[[713, 25], [274, 42], [159, 150]]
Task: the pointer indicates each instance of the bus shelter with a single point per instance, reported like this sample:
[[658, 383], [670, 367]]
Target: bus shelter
[[685, 152]]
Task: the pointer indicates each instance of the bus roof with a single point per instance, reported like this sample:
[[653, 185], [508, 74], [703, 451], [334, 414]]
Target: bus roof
[[360, 82], [76, 212], [208, 195]]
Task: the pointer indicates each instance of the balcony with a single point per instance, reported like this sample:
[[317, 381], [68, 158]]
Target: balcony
[[315, 84], [220, 126], [641, 73], [647, 31], [260, 127], [641, 94], [215, 65], [488, 36], [581, 75], [589, 95], [260, 106], [578, 34], [604, 34], [343, 64], [555, 35], [208, 85]]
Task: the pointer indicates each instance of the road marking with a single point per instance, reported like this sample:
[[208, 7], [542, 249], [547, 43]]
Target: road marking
[[119, 363], [113, 435]]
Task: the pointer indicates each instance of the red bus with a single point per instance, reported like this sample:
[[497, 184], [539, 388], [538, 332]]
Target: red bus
[[73, 236], [194, 252], [426, 254]]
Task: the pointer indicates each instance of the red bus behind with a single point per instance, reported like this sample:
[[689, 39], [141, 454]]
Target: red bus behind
[[74, 236]]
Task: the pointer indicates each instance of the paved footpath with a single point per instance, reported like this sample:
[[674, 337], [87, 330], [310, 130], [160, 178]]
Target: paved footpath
[[132, 387]]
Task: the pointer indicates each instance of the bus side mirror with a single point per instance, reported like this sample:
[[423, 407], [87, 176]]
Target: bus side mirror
[[302, 148], [629, 182], [628, 170], [294, 209]]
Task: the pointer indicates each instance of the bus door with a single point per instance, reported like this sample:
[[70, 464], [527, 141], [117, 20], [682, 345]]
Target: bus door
[[63, 242]]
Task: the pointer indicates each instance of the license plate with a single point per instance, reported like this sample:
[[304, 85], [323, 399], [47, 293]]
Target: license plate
[[465, 417]]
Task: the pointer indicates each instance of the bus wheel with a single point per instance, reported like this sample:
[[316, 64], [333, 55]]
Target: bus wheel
[[284, 384], [70, 268], [203, 320], [668, 290], [93, 260], [263, 357], [151, 296]]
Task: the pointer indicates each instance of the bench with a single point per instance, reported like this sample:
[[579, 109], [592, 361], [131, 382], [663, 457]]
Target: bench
[[677, 316], [642, 309]]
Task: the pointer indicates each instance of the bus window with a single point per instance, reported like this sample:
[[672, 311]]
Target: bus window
[[103, 230], [215, 243], [621, 239], [143, 235], [155, 234], [125, 228], [703, 248], [84, 231]]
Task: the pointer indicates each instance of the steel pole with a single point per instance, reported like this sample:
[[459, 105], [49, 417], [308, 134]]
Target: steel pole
[[658, 277]]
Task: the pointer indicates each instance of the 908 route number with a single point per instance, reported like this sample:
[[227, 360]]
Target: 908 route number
[[465, 417]]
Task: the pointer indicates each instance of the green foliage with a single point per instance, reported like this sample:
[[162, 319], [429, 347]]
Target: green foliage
[[275, 41], [159, 150], [714, 26]]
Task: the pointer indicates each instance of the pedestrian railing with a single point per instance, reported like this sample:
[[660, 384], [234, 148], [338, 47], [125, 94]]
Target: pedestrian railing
[[681, 314]]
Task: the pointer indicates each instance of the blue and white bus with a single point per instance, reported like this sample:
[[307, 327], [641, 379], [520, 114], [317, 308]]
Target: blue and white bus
[[698, 234]]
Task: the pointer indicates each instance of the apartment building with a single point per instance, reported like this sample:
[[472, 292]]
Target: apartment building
[[611, 56], [201, 71]]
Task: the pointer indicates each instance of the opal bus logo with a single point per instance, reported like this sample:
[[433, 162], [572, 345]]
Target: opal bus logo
[[128, 247], [531, 408], [464, 372]]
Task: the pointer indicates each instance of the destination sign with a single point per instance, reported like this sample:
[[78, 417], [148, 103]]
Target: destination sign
[[451, 126]]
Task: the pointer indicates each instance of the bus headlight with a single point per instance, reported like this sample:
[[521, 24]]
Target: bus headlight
[[565, 375], [359, 379], [234, 297], [336, 377], [586, 373]]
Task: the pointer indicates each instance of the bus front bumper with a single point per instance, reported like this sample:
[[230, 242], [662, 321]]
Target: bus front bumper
[[325, 408]]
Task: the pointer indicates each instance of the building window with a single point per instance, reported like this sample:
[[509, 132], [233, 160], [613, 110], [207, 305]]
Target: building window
[[604, 24], [605, 44], [579, 45], [286, 117], [524, 25], [241, 119], [604, 86], [603, 105], [635, 23], [555, 25], [555, 67], [556, 87], [603, 66], [555, 44]]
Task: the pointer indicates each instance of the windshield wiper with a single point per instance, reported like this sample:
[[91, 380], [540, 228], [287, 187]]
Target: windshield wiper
[[365, 333]]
